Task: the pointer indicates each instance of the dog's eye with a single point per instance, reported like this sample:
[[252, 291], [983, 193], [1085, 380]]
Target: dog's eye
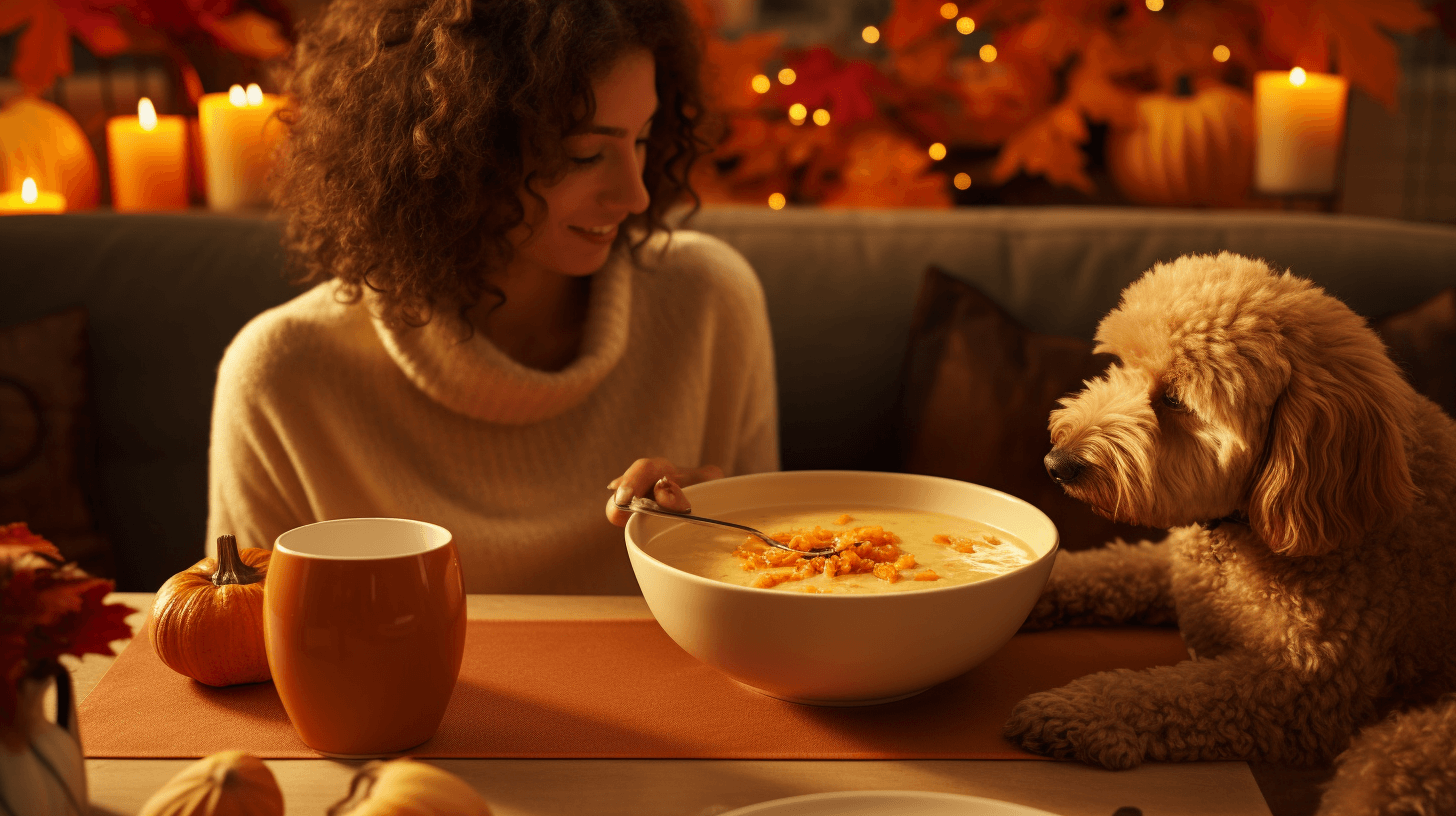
[[1170, 399]]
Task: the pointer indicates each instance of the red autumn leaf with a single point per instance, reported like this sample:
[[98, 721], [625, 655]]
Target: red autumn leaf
[[1050, 147], [999, 98], [96, 26], [845, 88], [17, 539], [729, 68], [43, 50], [1304, 32], [98, 624]]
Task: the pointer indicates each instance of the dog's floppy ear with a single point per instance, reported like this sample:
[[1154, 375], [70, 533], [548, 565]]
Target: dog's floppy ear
[[1335, 465]]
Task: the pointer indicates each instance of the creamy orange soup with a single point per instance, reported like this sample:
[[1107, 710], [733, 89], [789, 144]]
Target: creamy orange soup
[[877, 550]]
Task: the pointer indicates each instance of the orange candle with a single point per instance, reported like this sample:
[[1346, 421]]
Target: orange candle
[[148, 156], [239, 135], [1299, 119], [30, 200]]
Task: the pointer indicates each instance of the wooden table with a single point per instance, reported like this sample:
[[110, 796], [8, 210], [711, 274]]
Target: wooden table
[[686, 787]]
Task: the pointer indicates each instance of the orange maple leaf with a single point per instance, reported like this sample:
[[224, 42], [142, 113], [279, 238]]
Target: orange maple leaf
[[729, 68], [1050, 146], [885, 169], [1304, 32], [43, 50]]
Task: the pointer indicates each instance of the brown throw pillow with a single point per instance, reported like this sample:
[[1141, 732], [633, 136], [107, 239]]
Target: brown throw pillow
[[978, 390], [44, 430], [1422, 339]]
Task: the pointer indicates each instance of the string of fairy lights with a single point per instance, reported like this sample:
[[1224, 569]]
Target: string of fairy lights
[[799, 114]]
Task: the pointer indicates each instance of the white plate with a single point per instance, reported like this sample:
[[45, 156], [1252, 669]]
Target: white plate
[[886, 803]]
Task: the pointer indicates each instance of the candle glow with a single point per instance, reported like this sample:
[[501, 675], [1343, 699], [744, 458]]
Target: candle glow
[[28, 191], [31, 200], [147, 158], [254, 95], [146, 114], [240, 132], [1298, 77], [1299, 124], [237, 96]]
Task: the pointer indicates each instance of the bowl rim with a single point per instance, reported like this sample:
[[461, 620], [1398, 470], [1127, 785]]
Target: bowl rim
[[633, 547]]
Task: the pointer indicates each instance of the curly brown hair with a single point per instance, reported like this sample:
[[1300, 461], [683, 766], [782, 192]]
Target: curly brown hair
[[416, 122]]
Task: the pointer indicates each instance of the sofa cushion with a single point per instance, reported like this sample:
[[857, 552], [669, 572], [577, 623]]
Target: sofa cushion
[[1422, 339], [45, 439], [978, 389]]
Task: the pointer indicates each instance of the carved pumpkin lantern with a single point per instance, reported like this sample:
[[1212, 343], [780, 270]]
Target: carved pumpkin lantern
[[1186, 149], [42, 141]]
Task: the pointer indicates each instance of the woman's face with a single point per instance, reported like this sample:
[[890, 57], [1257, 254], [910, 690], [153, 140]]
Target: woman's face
[[573, 233]]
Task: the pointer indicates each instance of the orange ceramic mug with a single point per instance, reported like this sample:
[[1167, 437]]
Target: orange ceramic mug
[[364, 621]]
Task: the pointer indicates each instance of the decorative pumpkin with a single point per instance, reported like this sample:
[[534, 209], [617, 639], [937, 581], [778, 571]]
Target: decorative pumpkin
[[42, 141], [207, 622], [1187, 149], [230, 783], [408, 787]]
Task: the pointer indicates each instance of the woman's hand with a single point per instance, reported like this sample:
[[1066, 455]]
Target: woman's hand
[[660, 479]]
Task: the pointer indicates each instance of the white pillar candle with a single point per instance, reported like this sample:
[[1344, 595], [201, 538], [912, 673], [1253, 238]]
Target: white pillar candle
[[148, 158], [1300, 121], [240, 133]]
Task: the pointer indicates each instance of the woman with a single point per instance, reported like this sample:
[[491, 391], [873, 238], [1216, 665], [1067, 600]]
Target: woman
[[500, 322]]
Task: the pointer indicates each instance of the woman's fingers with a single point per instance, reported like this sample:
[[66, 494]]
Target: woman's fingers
[[669, 496], [659, 478]]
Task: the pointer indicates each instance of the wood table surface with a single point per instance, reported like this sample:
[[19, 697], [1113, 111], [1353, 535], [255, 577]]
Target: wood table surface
[[689, 787]]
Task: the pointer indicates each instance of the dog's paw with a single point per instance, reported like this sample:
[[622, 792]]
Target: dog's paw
[[1072, 726]]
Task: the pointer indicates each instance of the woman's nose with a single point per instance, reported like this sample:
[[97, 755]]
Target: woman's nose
[[627, 189]]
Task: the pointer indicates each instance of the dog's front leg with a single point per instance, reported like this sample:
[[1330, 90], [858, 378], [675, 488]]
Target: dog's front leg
[[1116, 584], [1233, 707]]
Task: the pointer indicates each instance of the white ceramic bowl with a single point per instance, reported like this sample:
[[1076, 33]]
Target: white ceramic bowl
[[903, 643]]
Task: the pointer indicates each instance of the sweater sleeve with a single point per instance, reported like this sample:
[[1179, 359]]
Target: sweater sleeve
[[254, 491]]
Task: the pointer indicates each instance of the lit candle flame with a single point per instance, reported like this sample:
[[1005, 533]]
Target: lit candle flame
[[254, 94], [237, 96], [146, 114], [28, 191], [1297, 77]]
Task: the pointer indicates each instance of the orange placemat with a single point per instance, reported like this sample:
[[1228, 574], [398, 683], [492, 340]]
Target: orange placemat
[[617, 689]]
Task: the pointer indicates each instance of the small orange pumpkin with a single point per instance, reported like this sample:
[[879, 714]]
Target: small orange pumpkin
[[230, 783], [1187, 149], [409, 787], [207, 622], [42, 141]]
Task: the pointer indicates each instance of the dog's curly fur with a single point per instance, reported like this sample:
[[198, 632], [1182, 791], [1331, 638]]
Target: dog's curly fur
[[1311, 562]]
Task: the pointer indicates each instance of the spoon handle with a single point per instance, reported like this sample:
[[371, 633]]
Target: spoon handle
[[652, 508]]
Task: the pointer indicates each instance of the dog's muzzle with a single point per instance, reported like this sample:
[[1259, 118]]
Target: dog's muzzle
[[1063, 467]]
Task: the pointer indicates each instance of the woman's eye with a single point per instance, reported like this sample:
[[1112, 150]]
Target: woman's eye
[[585, 160], [1171, 400]]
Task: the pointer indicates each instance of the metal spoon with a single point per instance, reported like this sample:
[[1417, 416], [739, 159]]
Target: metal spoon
[[652, 508]]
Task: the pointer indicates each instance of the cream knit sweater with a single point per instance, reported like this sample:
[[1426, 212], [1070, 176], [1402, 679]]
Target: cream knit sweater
[[323, 413]]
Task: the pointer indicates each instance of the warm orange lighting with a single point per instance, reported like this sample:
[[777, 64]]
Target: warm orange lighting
[[797, 113], [988, 53], [870, 34], [937, 151], [787, 76], [1221, 53], [965, 25], [777, 201], [31, 201], [761, 83], [237, 96], [962, 181], [146, 114], [28, 191], [949, 10], [254, 94], [1297, 77], [821, 117], [1154, 5]]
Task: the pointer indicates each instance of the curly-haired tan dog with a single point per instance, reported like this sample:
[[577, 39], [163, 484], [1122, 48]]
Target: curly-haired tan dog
[[1311, 563]]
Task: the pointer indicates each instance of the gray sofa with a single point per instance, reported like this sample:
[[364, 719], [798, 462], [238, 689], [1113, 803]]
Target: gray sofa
[[163, 294]]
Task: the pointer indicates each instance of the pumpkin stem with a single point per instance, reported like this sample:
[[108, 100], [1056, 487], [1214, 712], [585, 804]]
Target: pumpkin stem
[[230, 566], [1183, 85]]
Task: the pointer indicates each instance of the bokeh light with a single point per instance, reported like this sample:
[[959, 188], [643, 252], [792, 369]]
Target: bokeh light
[[1221, 53], [965, 25], [1154, 5], [761, 83], [949, 10], [787, 76], [777, 201], [871, 34], [821, 117], [937, 151], [797, 113], [988, 53], [962, 181]]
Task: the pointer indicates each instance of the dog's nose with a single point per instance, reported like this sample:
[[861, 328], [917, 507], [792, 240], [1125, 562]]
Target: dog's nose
[[1063, 467]]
